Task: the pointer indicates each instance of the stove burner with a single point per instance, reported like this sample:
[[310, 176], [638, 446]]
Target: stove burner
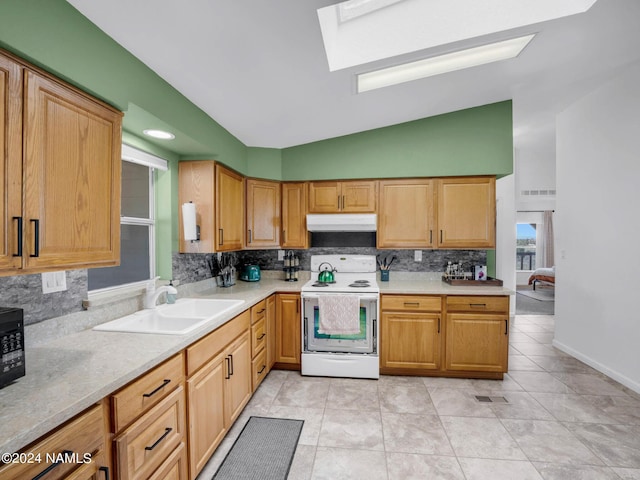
[[360, 285], [320, 284], [361, 281]]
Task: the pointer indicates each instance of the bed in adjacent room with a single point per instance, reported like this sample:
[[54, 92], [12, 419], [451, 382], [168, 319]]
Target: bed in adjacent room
[[544, 276]]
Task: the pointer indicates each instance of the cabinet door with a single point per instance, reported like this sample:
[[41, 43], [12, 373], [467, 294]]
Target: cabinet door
[[72, 178], [229, 210], [10, 164], [196, 183], [467, 212], [477, 342], [206, 412], [288, 322], [263, 214], [324, 197], [294, 216], [410, 340], [405, 218], [238, 385], [358, 197], [271, 332]]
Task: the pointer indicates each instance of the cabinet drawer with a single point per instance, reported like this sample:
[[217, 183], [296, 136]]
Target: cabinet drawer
[[83, 435], [258, 336], [414, 303], [174, 467], [208, 347], [259, 369], [477, 304], [135, 399], [146, 444], [258, 311]]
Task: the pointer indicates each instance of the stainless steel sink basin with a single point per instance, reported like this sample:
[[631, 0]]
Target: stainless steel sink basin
[[182, 317]]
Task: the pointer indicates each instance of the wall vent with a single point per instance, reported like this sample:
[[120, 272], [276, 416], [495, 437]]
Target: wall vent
[[538, 193]]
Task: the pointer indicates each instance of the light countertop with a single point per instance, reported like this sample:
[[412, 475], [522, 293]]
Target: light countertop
[[69, 374]]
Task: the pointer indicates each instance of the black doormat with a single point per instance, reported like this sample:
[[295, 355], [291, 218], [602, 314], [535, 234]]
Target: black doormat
[[263, 451]]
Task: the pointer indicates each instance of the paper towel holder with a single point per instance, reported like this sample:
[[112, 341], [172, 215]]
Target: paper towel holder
[[191, 228]]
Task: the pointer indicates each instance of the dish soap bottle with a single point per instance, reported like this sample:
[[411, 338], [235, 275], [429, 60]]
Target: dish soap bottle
[[171, 297]]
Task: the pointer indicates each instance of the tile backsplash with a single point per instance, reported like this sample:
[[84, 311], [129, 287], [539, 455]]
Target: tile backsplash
[[192, 267]]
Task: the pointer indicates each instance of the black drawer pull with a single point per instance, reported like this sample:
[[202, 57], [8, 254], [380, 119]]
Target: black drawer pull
[[52, 466], [478, 305], [262, 336], [438, 324], [262, 369], [36, 237], [106, 472], [407, 304], [506, 327], [19, 254], [167, 431], [228, 374], [164, 384], [261, 311]]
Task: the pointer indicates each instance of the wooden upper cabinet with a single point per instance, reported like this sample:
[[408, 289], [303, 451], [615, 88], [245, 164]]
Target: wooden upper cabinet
[[263, 214], [10, 163], [61, 192], [466, 212], [294, 215], [405, 215], [229, 218], [342, 197], [196, 183]]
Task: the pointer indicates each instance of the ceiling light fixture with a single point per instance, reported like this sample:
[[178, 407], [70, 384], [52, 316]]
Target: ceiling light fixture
[[449, 62], [161, 134]]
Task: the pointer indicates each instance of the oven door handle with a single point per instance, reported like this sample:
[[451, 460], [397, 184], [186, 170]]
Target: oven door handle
[[372, 296]]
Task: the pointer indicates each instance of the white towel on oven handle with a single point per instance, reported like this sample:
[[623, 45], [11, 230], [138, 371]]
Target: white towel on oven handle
[[339, 314]]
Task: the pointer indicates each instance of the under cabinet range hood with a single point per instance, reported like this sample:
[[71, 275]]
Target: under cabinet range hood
[[342, 222]]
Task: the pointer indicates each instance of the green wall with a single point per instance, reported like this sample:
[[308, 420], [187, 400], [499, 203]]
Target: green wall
[[475, 141]]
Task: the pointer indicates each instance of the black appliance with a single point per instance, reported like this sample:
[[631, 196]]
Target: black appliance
[[11, 345]]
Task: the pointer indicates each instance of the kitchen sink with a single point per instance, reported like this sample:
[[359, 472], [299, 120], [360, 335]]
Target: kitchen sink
[[179, 318]]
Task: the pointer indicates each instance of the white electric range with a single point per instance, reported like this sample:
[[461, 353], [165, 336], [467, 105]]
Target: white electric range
[[343, 355]]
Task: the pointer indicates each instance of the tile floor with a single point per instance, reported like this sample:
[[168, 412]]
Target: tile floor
[[561, 420]]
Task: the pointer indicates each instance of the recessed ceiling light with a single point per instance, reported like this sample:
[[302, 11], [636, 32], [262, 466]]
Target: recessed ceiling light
[[449, 62], [159, 134]]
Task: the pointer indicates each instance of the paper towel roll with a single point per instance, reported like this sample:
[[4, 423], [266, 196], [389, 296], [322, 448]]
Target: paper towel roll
[[189, 221]]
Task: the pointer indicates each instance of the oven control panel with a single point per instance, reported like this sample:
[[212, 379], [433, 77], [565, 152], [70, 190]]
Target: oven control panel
[[12, 365]]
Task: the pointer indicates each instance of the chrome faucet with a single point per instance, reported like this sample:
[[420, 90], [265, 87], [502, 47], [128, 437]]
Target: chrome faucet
[[152, 293]]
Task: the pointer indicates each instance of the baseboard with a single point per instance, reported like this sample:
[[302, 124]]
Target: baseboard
[[622, 379]]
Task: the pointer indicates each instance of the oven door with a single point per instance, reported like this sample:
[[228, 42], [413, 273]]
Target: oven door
[[365, 341]]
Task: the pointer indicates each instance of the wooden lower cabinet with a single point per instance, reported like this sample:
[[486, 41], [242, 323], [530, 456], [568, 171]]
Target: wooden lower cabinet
[[452, 336], [85, 434], [218, 387], [288, 323], [410, 333]]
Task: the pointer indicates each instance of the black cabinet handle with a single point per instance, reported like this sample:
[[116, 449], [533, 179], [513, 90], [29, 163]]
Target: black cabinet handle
[[19, 254], [260, 311], [430, 236], [438, 324], [262, 336], [36, 235], [228, 375], [52, 466], [167, 431], [249, 237], [164, 384], [440, 236], [106, 472], [477, 305], [284, 236], [231, 373], [221, 236], [506, 327], [262, 369]]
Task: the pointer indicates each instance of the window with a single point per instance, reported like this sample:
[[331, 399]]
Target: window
[[526, 246], [137, 224]]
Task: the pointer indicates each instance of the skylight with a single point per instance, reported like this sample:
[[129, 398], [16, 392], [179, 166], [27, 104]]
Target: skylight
[[362, 31]]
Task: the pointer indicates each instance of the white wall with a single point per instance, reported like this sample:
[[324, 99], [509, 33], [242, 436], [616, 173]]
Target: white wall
[[506, 235], [597, 229]]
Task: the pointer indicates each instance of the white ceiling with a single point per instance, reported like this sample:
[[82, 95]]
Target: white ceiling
[[260, 70]]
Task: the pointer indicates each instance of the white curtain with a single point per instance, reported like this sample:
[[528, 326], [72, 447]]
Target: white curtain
[[547, 232]]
